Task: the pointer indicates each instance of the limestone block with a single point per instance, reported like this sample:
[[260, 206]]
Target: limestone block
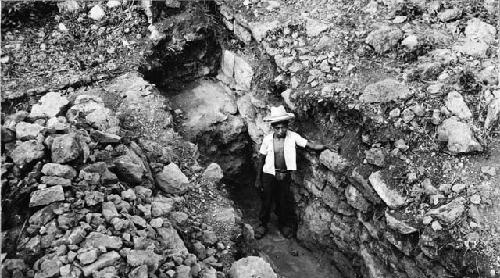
[[251, 267]]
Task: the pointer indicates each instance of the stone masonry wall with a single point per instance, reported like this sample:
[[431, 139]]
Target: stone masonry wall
[[381, 210]]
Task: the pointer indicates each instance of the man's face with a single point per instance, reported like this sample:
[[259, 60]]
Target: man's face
[[280, 129]]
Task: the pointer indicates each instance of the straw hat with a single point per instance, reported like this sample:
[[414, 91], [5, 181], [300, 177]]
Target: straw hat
[[278, 114]]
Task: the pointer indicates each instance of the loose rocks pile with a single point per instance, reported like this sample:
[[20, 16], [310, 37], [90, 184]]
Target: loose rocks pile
[[98, 209]]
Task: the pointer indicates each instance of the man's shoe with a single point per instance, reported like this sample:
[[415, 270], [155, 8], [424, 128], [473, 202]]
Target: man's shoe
[[293, 252], [287, 232], [260, 232]]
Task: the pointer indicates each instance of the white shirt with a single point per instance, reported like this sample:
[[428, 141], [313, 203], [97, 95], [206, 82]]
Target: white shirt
[[267, 148]]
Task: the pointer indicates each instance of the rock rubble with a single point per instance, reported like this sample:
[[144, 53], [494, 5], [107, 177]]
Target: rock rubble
[[96, 211]]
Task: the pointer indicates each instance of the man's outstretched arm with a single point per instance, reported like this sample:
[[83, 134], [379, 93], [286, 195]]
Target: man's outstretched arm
[[315, 147], [260, 164], [308, 145]]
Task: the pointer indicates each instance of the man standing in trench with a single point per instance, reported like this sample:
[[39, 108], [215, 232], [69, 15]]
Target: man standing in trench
[[277, 161]]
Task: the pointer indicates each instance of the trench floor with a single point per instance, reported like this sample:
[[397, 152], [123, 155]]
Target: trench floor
[[287, 257]]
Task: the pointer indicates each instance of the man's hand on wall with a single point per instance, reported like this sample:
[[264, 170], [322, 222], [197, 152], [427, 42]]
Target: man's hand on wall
[[316, 147]]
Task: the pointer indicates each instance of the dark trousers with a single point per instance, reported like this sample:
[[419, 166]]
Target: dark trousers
[[277, 192]]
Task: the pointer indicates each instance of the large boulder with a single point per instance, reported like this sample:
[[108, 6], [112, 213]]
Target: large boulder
[[231, 131], [183, 271], [213, 173], [375, 156], [59, 170], [113, 4], [314, 27], [450, 14], [109, 211], [356, 199], [385, 91], [456, 104], [330, 197], [361, 182], [70, 6], [49, 180], [242, 33], [480, 30], [57, 125], [28, 131], [104, 260], [224, 216], [50, 105], [384, 38], [96, 13], [459, 136], [260, 28], [100, 168], [48, 266], [489, 74], [90, 110], [210, 118], [144, 257], [155, 152], [390, 196], [227, 63], [129, 168], [449, 212], [161, 206], [66, 148], [236, 71], [27, 152], [204, 107], [46, 196], [172, 180], [43, 215], [171, 241], [105, 138], [398, 225], [411, 42], [250, 267], [333, 161], [471, 47], [247, 109], [96, 239], [87, 255]]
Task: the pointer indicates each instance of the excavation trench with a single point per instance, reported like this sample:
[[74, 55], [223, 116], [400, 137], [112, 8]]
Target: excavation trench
[[212, 112], [233, 150], [220, 86], [219, 82]]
